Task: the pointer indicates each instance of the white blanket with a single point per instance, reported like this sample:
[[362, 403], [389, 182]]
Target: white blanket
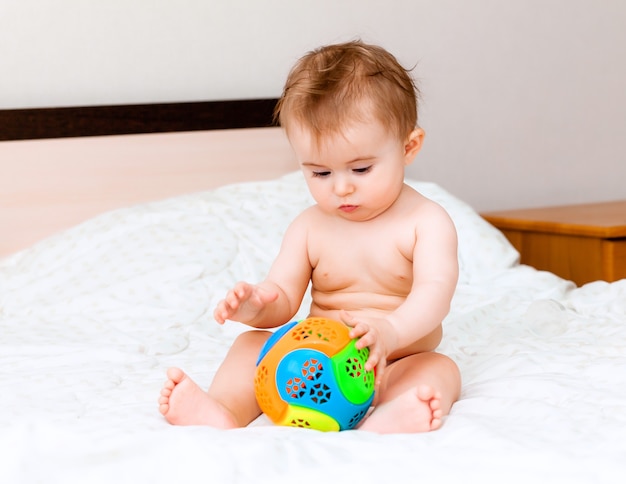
[[90, 320]]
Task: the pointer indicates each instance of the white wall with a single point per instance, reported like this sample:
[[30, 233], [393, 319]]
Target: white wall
[[524, 103]]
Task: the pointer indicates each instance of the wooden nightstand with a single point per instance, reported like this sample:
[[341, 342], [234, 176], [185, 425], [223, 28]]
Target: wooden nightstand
[[582, 243]]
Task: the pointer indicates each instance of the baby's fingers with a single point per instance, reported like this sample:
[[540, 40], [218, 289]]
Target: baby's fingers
[[240, 292], [374, 359], [221, 312], [357, 328], [225, 311], [380, 370]]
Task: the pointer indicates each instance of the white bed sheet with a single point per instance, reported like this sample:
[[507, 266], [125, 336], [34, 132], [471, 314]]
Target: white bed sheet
[[90, 320]]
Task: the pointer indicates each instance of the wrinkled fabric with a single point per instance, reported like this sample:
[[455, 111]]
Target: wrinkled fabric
[[91, 318]]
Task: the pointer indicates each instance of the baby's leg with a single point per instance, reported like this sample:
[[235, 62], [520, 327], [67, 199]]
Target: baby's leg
[[416, 393], [230, 401]]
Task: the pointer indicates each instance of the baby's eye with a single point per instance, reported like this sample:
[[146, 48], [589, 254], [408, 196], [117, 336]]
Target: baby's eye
[[321, 174], [362, 170]]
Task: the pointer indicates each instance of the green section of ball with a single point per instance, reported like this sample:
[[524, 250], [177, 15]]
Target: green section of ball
[[356, 384]]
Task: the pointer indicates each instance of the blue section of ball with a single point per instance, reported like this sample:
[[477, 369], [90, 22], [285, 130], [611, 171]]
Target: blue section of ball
[[269, 344], [306, 378]]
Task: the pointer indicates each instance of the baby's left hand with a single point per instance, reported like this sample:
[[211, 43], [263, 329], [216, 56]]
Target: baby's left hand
[[375, 333]]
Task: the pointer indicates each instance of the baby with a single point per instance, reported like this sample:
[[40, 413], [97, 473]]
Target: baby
[[380, 257]]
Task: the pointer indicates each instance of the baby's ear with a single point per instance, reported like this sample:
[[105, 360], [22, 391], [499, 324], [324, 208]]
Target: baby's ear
[[413, 144]]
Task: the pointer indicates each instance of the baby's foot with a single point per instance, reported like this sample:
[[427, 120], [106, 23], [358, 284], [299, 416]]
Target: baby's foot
[[416, 410], [183, 402]]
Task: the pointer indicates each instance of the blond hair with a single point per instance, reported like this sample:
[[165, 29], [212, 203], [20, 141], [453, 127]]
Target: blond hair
[[335, 85]]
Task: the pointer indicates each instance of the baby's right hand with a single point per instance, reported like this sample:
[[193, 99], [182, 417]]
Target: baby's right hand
[[243, 303]]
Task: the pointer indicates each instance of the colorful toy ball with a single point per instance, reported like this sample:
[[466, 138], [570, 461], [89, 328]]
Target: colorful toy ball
[[310, 374]]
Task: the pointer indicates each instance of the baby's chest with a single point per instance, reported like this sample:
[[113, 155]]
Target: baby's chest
[[356, 260]]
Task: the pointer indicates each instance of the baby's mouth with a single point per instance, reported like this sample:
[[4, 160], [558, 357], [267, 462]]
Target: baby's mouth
[[348, 208]]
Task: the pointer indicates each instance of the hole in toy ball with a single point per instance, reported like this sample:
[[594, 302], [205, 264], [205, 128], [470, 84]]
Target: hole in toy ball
[[318, 328], [312, 369], [320, 393], [356, 418], [354, 368], [300, 423], [262, 374], [295, 388]]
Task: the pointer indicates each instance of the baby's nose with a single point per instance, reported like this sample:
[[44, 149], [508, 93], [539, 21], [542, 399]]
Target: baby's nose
[[343, 186]]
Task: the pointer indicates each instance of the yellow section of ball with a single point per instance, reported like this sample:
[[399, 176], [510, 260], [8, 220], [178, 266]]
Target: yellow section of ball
[[306, 418]]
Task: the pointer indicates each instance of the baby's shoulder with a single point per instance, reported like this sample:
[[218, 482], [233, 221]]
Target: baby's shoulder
[[431, 222], [312, 215], [422, 207], [309, 217]]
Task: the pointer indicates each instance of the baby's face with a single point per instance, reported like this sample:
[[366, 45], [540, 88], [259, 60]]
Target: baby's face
[[356, 174]]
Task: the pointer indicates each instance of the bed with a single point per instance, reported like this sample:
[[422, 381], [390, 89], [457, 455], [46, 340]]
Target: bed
[[93, 310]]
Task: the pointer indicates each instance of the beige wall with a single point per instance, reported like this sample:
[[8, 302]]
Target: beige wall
[[523, 102]]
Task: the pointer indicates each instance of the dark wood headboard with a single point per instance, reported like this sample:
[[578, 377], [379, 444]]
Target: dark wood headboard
[[22, 124]]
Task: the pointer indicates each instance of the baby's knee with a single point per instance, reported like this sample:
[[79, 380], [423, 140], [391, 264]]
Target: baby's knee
[[448, 363], [253, 339], [452, 373]]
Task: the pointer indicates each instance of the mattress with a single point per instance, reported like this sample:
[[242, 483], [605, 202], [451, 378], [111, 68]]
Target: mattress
[[91, 318]]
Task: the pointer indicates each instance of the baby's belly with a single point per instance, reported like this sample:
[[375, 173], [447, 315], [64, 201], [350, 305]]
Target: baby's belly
[[365, 303]]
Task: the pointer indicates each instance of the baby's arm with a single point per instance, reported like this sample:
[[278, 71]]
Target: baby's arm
[[274, 301], [435, 274]]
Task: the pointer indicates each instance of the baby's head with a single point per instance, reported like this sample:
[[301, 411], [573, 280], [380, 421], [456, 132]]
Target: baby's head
[[334, 86]]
